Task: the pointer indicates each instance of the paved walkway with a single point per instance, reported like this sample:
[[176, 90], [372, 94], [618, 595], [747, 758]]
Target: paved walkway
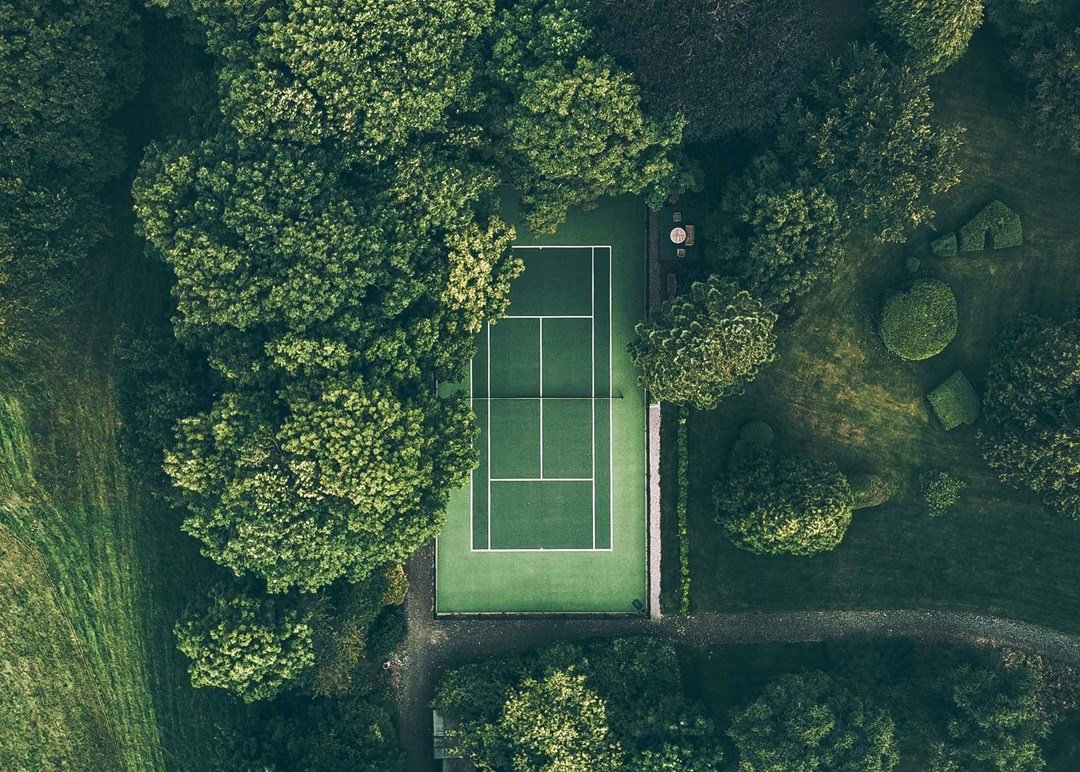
[[433, 644]]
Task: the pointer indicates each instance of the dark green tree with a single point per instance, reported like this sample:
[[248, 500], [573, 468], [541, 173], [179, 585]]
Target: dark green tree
[[1031, 406], [778, 237], [993, 719], [356, 732], [608, 705], [813, 722], [728, 67], [705, 345], [932, 34], [866, 136], [64, 69], [158, 383], [1044, 38], [246, 642], [792, 505], [569, 121], [352, 478]]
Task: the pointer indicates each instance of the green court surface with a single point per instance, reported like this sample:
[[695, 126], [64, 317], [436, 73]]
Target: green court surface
[[554, 517]]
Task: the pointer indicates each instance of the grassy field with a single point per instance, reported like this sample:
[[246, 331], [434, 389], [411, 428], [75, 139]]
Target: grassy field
[[93, 572], [836, 393], [93, 575]]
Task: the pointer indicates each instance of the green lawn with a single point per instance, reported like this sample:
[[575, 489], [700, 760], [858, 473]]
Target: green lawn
[[838, 394], [470, 577], [94, 575], [93, 571]]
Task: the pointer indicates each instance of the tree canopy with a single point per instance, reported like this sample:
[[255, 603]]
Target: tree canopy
[[932, 34], [705, 345], [1045, 42], [1032, 407], [569, 120], [813, 722], [728, 67], [249, 644], [778, 236], [352, 478], [608, 705], [791, 505], [866, 136], [64, 69]]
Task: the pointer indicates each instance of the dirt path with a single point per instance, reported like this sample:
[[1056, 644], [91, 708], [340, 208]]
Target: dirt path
[[434, 644]]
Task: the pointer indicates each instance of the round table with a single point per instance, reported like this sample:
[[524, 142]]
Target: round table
[[678, 235]]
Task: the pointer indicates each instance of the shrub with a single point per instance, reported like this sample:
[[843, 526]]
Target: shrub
[[680, 509], [933, 33], [793, 506], [944, 246], [994, 227], [869, 490], [387, 631], [954, 402], [941, 491], [919, 323], [704, 346]]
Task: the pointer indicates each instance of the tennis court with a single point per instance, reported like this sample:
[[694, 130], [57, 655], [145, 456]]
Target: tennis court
[[553, 518], [541, 387]]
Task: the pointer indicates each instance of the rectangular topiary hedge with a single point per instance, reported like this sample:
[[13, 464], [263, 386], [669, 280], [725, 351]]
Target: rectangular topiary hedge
[[996, 227], [955, 401], [683, 494]]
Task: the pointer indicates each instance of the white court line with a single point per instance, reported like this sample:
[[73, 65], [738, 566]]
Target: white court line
[[592, 403], [541, 398], [472, 472], [544, 549], [542, 479], [611, 404], [489, 437], [562, 246], [548, 316]]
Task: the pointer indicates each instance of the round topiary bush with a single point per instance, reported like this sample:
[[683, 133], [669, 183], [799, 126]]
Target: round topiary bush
[[786, 506], [919, 322]]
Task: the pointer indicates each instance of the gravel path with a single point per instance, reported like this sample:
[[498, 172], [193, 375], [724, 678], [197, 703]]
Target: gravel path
[[433, 644]]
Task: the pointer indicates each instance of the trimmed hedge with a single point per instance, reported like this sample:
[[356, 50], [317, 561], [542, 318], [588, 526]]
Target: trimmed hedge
[[944, 246], [995, 227], [920, 322], [680, 508], [955, 401]]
